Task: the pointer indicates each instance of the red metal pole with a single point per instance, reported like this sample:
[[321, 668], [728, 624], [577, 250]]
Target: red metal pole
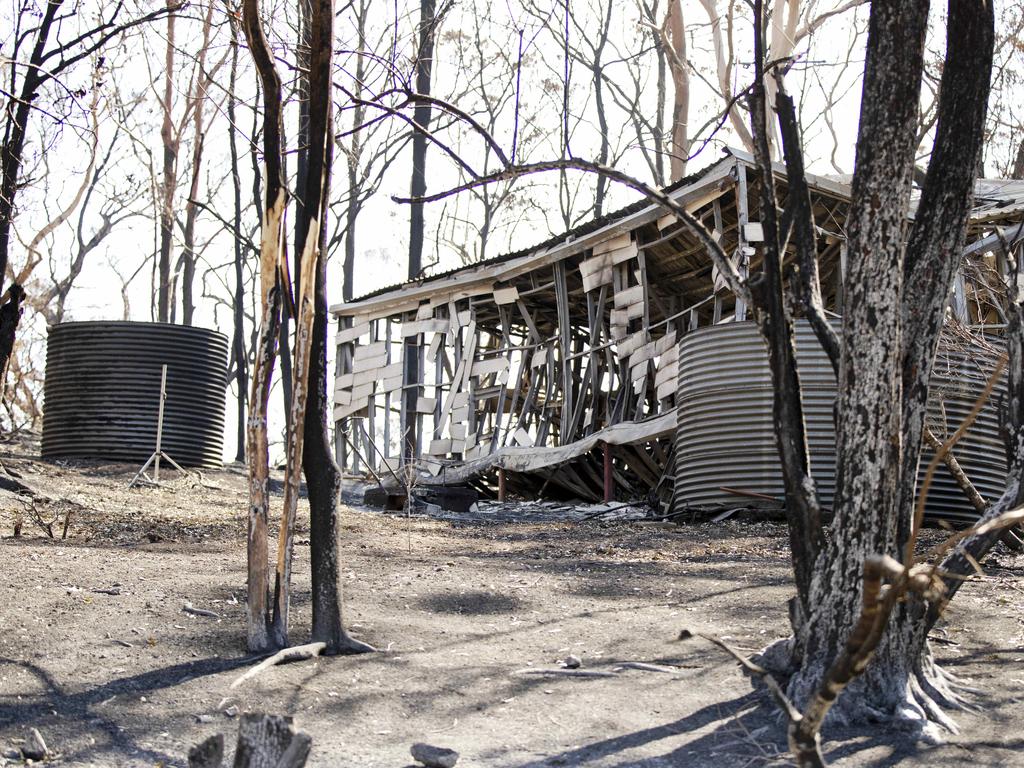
[[501, 484]]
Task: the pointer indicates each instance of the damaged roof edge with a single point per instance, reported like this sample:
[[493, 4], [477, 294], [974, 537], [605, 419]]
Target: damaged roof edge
[[482, 275]]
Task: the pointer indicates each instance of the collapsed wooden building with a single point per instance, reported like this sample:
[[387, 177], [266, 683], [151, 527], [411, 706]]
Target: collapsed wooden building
[[555, 371]]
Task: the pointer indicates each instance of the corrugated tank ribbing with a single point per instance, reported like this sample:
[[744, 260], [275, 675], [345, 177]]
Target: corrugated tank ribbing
[[725, 436], [102, 391]]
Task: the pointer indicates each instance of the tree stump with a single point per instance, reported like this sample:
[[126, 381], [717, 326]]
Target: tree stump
[[264, 741]]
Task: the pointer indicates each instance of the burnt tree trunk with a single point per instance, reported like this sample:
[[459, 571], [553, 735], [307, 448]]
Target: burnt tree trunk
[[272, 210], [895, 307], [167, 184], [418, 187], [238, 332], [868, 444], [323, 478]]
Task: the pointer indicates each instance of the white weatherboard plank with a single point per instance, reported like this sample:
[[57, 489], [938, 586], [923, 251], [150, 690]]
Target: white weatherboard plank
[[634, 311], [346, 335], [362, 392], [666, 373], [628, 296], [376, 349], [507, 295], [522, 437], [753, 232], [638, 371], [670, 356], [352, 409], [395, 369], [440, 447], [539, 357], [369, 364], [666, 389], [665, 343], [460, 399], [457, 431], [597, 279], [642, 354], [365, 377], [435, 344], [620, 255], [612, 244], [424, 312], [595, 264], [343, 381], [630, 344], [342, 396], [425, 404], [483, 368]]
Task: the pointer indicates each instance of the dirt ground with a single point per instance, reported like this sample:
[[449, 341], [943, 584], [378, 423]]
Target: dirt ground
[[125, 677]]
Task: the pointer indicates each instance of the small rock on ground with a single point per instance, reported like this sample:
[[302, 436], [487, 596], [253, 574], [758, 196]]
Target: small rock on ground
[[434, 757], [34, 747]]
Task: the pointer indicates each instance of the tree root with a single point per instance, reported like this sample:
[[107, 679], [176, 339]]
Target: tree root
[[295, 653], [350, 646]]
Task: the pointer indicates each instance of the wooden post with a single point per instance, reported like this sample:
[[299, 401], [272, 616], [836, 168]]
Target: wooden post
[[609, 481], [160, 423], [501, 484]]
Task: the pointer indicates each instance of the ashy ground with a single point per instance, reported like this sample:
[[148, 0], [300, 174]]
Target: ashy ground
[[97, 653]]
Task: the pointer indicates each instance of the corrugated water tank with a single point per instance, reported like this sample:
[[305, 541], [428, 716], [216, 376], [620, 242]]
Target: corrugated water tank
[[725, 436], [102, 392]]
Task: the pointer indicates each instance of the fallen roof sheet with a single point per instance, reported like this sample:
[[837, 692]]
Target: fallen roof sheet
[[531, 459]]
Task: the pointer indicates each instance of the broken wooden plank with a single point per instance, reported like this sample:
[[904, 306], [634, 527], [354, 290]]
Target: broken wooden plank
[[613, 243], [508, 295]]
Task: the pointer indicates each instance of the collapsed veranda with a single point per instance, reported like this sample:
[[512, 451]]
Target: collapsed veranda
[[557, 366]]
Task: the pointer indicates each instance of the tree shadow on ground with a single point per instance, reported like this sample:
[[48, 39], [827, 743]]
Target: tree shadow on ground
[[749, 731], [60, 708], [471, 602]]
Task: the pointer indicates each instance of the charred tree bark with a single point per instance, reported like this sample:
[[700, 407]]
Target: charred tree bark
[[238, 332], [802, 504], [418, 187], [274, 203], [167, 184], [937, 238], [323, 478], [868, 441]]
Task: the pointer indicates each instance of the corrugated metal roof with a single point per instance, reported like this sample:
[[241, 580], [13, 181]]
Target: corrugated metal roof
[[996, 199], [573, 234]]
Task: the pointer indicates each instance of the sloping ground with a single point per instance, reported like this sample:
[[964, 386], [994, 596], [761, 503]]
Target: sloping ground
[[124, 677]]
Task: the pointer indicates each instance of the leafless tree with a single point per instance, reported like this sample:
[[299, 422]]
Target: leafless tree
[[41, 51], [307, 446]]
